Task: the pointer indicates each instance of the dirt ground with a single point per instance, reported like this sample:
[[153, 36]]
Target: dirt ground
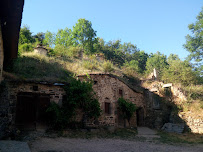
[[61, 144]]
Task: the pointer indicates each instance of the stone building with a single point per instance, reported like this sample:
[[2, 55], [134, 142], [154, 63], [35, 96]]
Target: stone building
[[40, 50], [109, 89], [23, 104]]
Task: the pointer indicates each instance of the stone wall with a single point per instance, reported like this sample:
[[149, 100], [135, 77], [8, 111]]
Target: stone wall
[[194, 123], [8, 100], [178, 94], [1, 54], [108, 90], [5, 118], [41, 51], [157, 111]]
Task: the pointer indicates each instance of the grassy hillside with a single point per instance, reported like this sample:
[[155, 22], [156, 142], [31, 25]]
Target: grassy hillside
[[32, 66]]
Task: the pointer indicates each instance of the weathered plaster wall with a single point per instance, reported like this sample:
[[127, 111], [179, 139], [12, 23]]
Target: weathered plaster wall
[[107, 90]]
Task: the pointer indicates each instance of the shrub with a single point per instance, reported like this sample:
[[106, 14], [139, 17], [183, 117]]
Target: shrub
[[131, 68], [107, 66], [62, 51], [127, 108], [26, 47], [80, 95], [57, 118], [90, 64]]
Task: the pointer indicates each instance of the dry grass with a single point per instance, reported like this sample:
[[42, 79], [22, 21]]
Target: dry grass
[[30, 65], [181, 138]]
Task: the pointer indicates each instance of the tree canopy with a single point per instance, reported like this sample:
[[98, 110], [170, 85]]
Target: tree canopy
[[178, 71], [84, 35], [157, 61], [194, 42], [25, 35]]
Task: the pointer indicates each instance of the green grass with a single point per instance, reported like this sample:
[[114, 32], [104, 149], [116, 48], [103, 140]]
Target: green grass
[[188, 138], [36, 67]]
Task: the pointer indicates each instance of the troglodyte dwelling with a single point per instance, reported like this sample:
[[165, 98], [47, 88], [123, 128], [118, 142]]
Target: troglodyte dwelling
[[109, 89]]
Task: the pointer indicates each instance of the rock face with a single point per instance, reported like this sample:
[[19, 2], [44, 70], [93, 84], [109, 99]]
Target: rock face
[[194, 123], [108, 90], [171, 127]]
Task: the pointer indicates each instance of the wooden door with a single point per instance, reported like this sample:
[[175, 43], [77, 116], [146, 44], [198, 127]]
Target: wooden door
[[26, 111]]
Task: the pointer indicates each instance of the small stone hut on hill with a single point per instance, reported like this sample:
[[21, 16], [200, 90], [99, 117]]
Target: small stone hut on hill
[[41, 50], [109, 89]]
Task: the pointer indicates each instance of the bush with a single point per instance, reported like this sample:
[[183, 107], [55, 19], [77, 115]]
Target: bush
[[26, 47], [62, 51], [127, 108], [57, 118], [131, 68], [80, 95], [107, 66], [90, 64]]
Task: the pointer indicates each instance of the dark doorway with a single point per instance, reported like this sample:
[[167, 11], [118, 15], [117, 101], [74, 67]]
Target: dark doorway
[[31, 110], [140, 117]]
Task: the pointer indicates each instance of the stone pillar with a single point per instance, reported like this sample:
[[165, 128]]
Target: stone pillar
[[1, 54]]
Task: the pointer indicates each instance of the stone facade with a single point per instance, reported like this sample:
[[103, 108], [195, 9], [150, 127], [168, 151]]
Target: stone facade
[[157, 112], [1, 54], [194, 123], [40, 50], [109, 89], [9, 99]]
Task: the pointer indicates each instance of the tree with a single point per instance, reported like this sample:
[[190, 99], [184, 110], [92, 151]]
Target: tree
[[131, 68], [84, 35], [172, 57], [179, 71], [129, 48], [49, 38], [64, 37], [141, 57], [127, 108], [40, 37], [157, 61], [25, 35], [194, 42]]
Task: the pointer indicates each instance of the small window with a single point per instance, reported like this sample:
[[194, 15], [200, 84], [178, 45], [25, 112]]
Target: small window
[[120, 92], [107, 108], [35, 88], [95, 82]]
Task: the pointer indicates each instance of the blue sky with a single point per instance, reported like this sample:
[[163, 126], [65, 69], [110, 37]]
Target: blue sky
[[153, 25]]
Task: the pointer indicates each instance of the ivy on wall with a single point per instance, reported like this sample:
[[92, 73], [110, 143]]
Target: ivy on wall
[[79, 95]]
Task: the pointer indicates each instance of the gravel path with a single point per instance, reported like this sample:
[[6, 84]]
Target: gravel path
[[13, 146], [106, 145]]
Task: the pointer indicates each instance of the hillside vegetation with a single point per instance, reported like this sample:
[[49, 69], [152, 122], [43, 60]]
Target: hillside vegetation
[[79, 51]]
